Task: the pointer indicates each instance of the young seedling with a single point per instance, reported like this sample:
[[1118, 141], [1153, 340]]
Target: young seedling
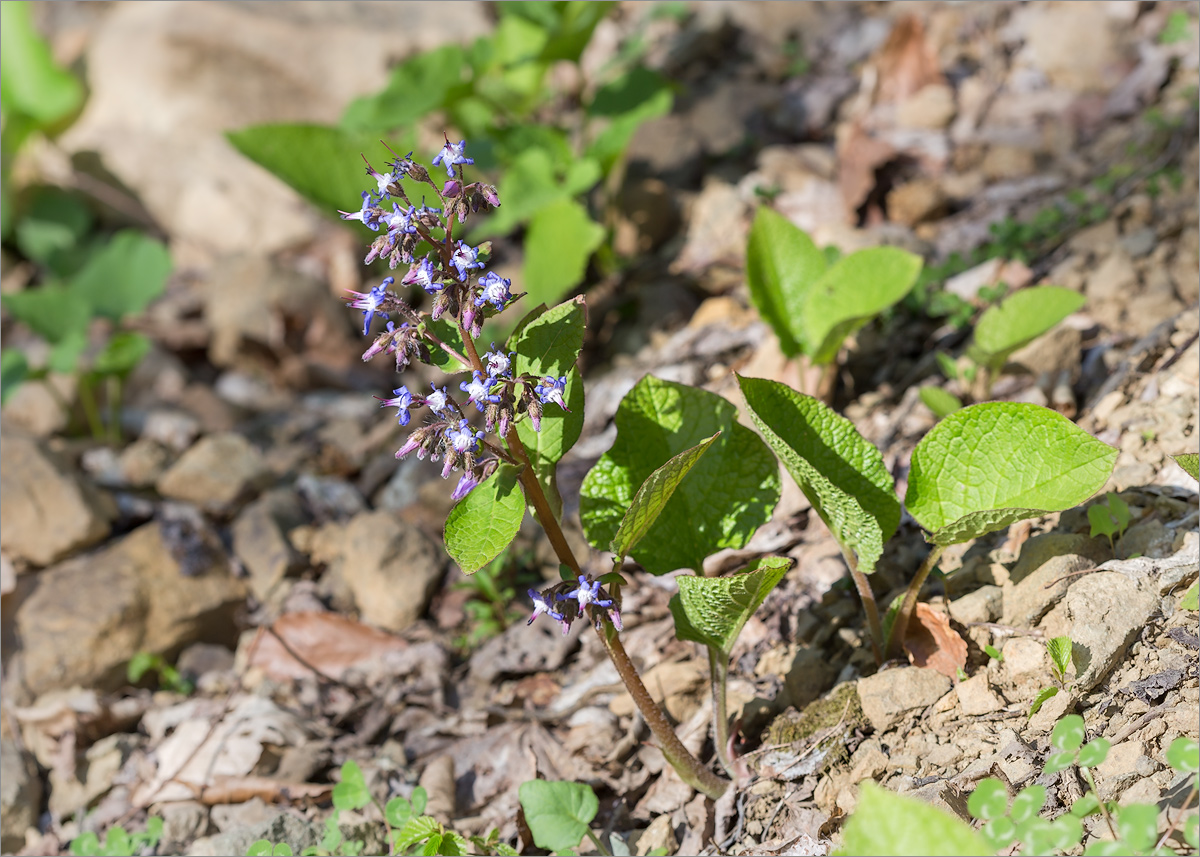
[[117, 842], [1109, 518], [1059, 649]]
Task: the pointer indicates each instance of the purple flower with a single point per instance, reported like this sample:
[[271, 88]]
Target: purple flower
[[551, 390], [587, 593], [370, 302], [411, 445], [479, 390], [542, 605], [401, 399], [402, 166], [495, 290], [462, 439], [423, 274], [368, 215], [498, 363], [464, 258], [385, 342], [382, 180], [438, 401], [399, 221], [451, 155], [452, 188], [466, 484]]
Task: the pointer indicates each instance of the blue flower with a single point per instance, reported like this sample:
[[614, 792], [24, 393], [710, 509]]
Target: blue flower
[[587, 593], [382, 180], [451, 155], [542, 605], [494, 290], [499, 364], [401, 399], [464, 258], [423, 274], [551, 390], [466, 484], [370, 302], [438, 401], [399, 221], [462, 439], [368, 215], [479, 390], [402, 166]]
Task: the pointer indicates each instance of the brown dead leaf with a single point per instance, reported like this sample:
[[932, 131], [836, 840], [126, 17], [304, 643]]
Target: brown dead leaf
[[931, 642], [329, 642], [859, 155], [906, 62], [228, 790]]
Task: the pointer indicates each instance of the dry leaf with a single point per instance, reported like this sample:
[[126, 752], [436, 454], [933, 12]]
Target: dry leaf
[[329, 642], [227, 790], [907, 62], [931, 642]]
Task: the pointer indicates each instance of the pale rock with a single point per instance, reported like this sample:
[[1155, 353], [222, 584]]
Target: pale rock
[[716, 232], [46, 512], [39, 410], [977, 698], [666, 681], [1025, 657], [173, 429], [20, 796], [217, 473], [967, 284], [1107, 611], [915, 201], [1044, 560], [1115, 278], [932, 107], [284, 827], [868, 761], [1004, 162], [659, 836], [1074, 45], [260, 540], [1052, 711], [943, 794], [1059, 350], [142, 463], [889, 695], [983, 605], [1119, 768], [391, 567]]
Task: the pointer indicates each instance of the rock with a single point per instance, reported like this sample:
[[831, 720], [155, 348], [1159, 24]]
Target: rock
[[173, 429], [977, 698], [1106, 611], [983, 605], [88, 616], [1113, 279], [217, 473], [1025, 656], [887, 696], [104, 761], [932, 106], [20, 796], [1072, 44], [183, 823], [1052, 711], [809, 675], [716, 232], [1045, 559], [1119, 768], [284, 827], [967, 284], [1004, 162], [391, 567], [659, 836], [667, 148], [39, 410], [647, 218], [260, 540], [944, 795], [1059, 350], [329, 498], [915, 201], [46, 513]]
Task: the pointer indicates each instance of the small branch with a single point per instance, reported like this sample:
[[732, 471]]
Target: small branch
[[909, 606], [1112, 828], [1175, 824]]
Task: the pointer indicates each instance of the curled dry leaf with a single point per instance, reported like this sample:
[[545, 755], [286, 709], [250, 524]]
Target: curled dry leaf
[[931, 642], [327, 642]]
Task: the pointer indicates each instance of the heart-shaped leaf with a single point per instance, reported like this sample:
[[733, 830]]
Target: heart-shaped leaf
[[888, 823], [840, 471], [1018, 320], [486, 521], [781, 264], [713, 610], [942, 403], [727, 495], [989, 465], [558, 813]]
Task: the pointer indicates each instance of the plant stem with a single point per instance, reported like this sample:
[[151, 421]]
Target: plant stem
[[1112, 828], [599, 845], [718, 671], [909, 606], [113, 394], [1175, 824], [870, 607], [90, 411]]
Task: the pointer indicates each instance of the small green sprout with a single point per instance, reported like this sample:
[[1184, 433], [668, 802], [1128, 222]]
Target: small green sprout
[[1109, 518]]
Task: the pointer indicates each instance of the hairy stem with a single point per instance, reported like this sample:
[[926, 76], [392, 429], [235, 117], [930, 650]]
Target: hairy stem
[[909, 606], [870, 608], [718, 672]]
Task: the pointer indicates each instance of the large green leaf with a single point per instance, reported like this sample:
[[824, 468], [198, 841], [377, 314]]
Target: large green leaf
[[530, 184], [324, 165], [30, 81], [416, 87], [840, 471], [124, 277], [856, 289], [782, 264], [885, 823], [485, 521], [52, 311], [727, 495], [559, 431], [990, 465], [713, 610], [1020, 319], [558, 813], [560, 240], [650, 499], [1190, 462], [14, 369]]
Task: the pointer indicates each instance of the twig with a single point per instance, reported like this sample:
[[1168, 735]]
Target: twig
[[1059, 580]]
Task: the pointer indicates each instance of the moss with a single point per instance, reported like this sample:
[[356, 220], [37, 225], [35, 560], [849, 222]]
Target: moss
[[840, 706]]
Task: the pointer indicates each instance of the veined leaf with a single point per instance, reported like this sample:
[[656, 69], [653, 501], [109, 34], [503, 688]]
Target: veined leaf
[[486, 520], [1018, 320], [713, 610]]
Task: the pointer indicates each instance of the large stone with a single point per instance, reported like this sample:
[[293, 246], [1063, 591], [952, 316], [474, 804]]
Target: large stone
[[1107, 611], [45, 511], [887, 696], [20, 796], [260, 540], [86, 617], [1041, 575], [217, 473], [391, 567]]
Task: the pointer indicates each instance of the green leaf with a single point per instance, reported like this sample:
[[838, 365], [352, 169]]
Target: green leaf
[[417, 829], [51, 311], [54, 224], [1028, 803], [1019, 319], [852, 292], [942, 404], [419, 799], [1037, 834], [351, 792], [1119, 510], [1191, 830], [88, 843], [14, 369], [650, 499], [1059, 761], [259, 848], [282, 849], [1065, 832], [713, 610], [999, 832], [947, 364], [322, 164], [531, 183], [990, 465], [485, 521], [627, 101], [727, 495], [1190, 462], [122, 353], [560, 240], [1068, 733], [1101, 521], [140, 664], [887, 823], [993, 653], [1059, 650], [558, 813], [1191, 598], [30, 81], [1041, 698], [1106, 848], [573, 29], [989, 800], [398, 811], [124, 277], [1087, 805], [782, 264], [1094, 752], [415, 88], [1184, 755], [1137, 824], [840, 472]]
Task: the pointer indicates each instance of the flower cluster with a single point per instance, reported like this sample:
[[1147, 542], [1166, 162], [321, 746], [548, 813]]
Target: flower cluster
[[452, 273], [566, 602]]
